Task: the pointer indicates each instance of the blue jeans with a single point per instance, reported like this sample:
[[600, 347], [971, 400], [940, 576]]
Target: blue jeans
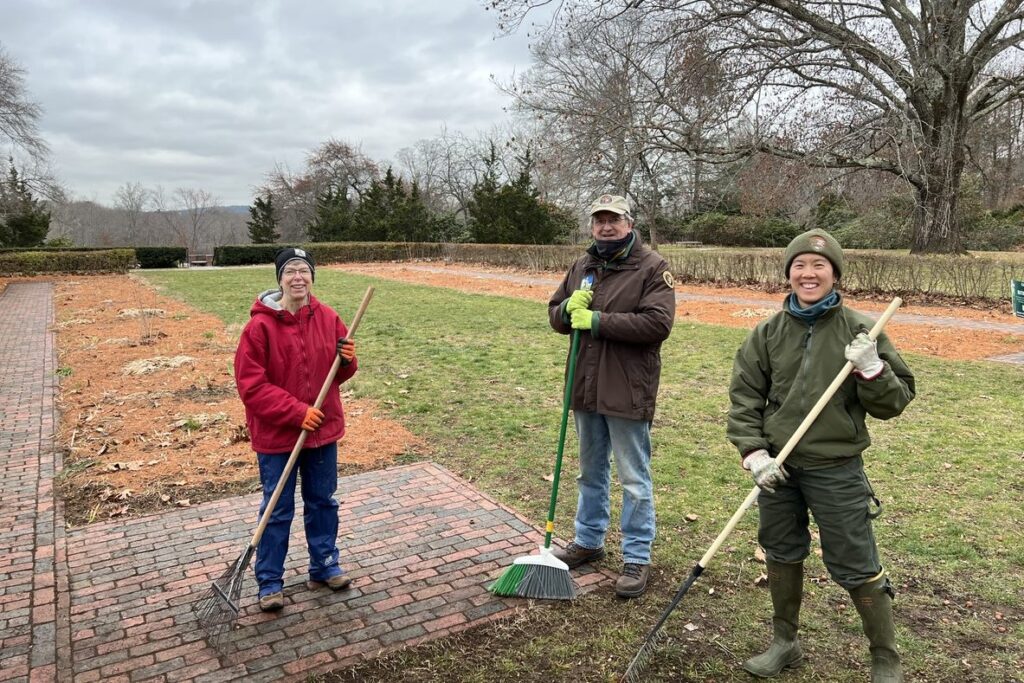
[[318, 468], [630, 440]]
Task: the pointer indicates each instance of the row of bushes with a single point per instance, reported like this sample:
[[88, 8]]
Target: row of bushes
[[35, 261], [963, 277]]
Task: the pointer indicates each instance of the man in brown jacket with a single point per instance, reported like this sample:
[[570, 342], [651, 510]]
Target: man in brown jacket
[[619, 296]]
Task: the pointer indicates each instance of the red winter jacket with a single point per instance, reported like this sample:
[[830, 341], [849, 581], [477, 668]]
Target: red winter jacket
[[281, 362]]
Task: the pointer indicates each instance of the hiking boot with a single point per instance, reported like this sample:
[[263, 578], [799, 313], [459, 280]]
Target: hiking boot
[[335, 583], [574, 555], [272, 602], [633, 581]]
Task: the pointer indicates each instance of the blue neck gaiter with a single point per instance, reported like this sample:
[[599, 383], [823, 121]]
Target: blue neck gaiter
[[811, 314], [609, 249]]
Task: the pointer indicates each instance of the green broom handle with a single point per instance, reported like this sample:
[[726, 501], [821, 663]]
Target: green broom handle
[[290, 465], [550, 528]]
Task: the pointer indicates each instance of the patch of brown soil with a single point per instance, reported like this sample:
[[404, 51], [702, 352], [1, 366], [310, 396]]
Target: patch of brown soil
[[168, 435], [934, 340]]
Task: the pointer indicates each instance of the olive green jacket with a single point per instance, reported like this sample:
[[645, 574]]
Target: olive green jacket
[[783, 368]]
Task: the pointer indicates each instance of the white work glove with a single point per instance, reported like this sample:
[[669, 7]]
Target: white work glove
[[766, 472], [863, 353]]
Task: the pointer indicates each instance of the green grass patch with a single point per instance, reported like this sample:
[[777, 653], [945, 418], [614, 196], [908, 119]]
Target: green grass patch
[[480, 379]]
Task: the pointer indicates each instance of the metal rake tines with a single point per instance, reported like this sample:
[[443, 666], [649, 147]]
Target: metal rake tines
[[637, 667], [219, 607]]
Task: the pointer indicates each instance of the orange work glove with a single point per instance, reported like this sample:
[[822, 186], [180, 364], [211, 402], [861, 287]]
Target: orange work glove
[[314, 418], [347, 350]]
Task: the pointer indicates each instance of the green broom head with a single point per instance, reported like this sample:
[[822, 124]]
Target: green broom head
[[541, 577]]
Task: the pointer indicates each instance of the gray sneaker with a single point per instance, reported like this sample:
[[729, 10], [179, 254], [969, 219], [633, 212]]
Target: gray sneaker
[[633, 581], [574, 555]]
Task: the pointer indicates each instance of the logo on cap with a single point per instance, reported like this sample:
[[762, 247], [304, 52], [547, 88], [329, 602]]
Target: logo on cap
[[300, 253], [818, 243]]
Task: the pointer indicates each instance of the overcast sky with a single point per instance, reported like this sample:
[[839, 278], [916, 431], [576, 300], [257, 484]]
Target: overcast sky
[[212, 94]]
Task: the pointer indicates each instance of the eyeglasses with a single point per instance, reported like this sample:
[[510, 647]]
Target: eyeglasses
[[292, 272], [608, 221]]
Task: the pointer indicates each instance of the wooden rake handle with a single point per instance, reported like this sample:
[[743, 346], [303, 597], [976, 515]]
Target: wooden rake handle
[[301, 441], [798, 434]]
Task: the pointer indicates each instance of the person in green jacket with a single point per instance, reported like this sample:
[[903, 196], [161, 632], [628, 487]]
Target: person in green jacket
[[780, 371]]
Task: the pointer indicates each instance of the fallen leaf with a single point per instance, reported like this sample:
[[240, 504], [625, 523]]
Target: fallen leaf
[[690, 626], [761, 580], [164, 497], [692, 517], [183, 503], [759, 554], [548, 477]]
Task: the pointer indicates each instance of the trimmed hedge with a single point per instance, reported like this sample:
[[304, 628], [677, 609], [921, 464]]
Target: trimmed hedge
[[965, 277], [160, 257], [43, 261]]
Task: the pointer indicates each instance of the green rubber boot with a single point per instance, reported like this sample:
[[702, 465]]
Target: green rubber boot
[[786, 582], [874, 603]]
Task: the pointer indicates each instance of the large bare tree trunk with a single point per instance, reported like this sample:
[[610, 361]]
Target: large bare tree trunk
[[936, 221]]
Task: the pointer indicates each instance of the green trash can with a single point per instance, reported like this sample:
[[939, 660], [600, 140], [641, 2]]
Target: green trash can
[[1017, 297]]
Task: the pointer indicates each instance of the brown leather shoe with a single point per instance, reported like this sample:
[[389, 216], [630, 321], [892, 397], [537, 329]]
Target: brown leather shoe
[[272, 602], [575, 555], [633, 581], [335, 583]]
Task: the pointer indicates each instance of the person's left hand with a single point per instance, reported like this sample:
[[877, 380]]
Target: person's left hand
[[582, 319], [347, 350], [863, 353]]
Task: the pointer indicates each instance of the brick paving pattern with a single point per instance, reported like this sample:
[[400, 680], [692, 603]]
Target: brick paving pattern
[[29, 532], [113, 601]]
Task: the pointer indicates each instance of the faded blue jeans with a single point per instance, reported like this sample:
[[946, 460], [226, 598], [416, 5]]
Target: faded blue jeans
[[630, 441], [318, 469]]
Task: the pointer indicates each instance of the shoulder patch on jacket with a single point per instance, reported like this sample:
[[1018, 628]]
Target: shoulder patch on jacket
[[669, 280]]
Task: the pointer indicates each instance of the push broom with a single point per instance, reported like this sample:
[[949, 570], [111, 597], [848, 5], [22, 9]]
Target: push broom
[[639, 662], [219, 608], [544, 576]]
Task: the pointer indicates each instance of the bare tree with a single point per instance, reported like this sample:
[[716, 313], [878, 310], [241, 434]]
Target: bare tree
[[19, 116], [132, 199], [189, 218], [605, 91], [887, 85], [335, 165]]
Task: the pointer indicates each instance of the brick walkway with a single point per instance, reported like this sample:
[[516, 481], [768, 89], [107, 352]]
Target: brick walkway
[[112, 601]]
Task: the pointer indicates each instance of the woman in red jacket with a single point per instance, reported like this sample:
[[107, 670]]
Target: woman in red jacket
[[284, 355]]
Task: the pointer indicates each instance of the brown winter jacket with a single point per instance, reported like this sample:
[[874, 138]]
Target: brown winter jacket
[[619, 364]]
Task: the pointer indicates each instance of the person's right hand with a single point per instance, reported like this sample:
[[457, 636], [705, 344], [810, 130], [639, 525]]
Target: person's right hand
[[766, 472], [579, 299], [314, 418]]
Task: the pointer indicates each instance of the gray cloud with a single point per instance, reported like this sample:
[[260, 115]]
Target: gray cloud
[[214, 93]]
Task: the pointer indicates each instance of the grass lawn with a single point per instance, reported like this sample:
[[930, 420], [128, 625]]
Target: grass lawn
[[480, 379]]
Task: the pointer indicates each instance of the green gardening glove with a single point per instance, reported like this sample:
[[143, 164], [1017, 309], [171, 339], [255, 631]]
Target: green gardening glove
[[583, 319], [580, 299]]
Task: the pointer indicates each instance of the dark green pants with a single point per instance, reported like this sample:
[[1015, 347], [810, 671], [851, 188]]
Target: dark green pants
[[840, 498]]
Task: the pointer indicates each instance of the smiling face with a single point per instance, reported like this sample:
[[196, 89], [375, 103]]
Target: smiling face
[[608, 226], [812, 277], [296, 280]]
